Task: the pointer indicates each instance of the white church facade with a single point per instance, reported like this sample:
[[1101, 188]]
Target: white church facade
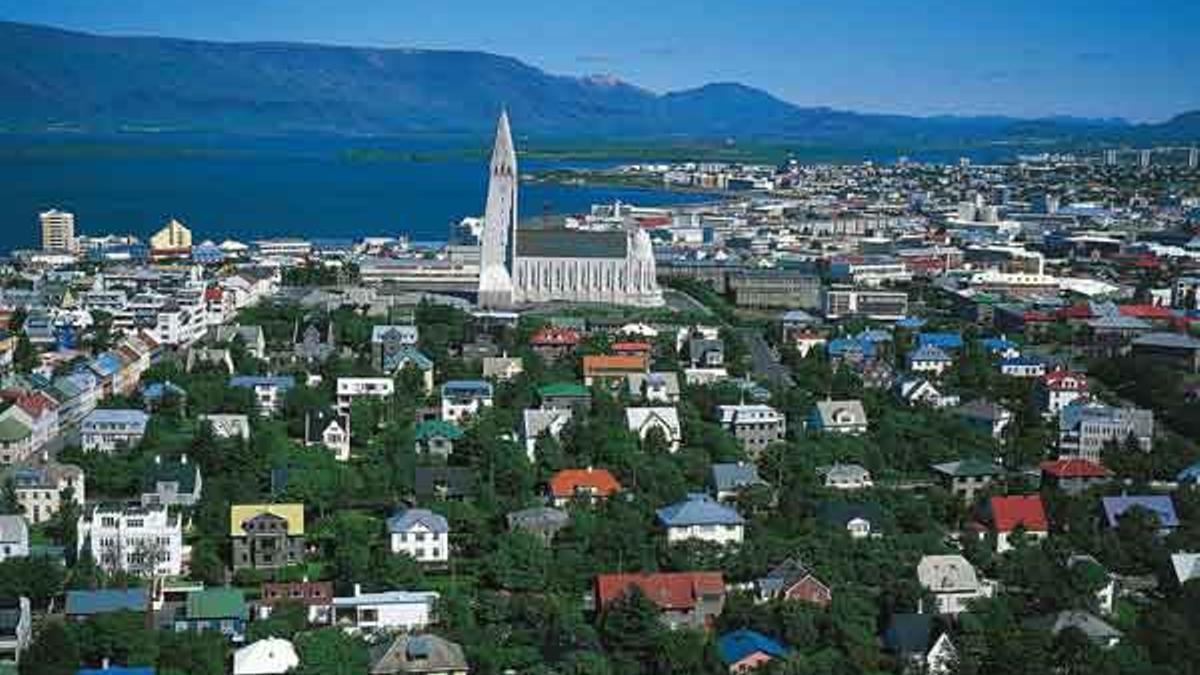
[[538, 265]]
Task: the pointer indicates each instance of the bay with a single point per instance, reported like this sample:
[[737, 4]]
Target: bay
[[257, 188]]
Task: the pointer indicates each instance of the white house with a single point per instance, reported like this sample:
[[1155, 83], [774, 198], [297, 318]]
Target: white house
[[40, 488], [421, 534], [701, 518], [134, 539], [919, 391], [538, 421], [350, 388], [953, 582], [272, 656], [228, 425], [929, 359], [106, 430], [846, 477], [1060, 389], [389, 610], [463, 399], [642, 421], [269, 391], [14, 537]]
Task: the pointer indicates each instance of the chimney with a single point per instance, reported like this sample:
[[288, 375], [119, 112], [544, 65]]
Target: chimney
[[183, 458], [357, 590], [46, 456], [158, 459]]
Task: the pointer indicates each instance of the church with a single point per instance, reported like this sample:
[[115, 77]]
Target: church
[[526, 266]]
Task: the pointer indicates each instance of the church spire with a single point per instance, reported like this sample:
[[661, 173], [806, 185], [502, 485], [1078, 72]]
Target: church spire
[[504, 154]]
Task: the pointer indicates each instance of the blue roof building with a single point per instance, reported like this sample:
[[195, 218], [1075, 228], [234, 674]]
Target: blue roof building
[[850, 348], [91, 603], [742, 645], [1160, 505], [998, 345], [282, 382], [944, 341], [701, 517]]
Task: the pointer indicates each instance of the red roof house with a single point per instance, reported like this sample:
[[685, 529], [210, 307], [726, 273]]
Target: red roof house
[[1017, 511], [692, 599], [1073, 474], [589, 484]]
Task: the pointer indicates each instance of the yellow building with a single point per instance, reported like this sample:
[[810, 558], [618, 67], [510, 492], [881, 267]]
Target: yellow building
[[172, 239]]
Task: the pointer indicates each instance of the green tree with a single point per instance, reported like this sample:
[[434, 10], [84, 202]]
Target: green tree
[[330, 651]]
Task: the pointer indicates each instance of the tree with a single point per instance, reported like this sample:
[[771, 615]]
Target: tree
[[629, 630], [520, 563], [54, 651], [9, 504], [287, 618], [329, 651]]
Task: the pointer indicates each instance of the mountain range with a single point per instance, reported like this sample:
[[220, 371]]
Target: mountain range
[[57, 79]]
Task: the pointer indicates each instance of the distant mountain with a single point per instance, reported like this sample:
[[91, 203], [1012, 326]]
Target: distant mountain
[[51, 78]]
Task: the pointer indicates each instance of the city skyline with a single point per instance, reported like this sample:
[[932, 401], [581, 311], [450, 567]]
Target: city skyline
[[1022, 59]]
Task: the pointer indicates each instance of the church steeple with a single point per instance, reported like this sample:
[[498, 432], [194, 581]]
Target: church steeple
[[504, 154], [497, 248]]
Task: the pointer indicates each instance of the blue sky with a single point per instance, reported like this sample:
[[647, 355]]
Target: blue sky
[[1103, 58]]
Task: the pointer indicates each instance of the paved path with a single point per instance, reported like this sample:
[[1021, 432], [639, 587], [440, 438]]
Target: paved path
[[765, 361]]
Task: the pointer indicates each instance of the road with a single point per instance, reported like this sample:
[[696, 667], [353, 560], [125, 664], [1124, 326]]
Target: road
[[765, 362]]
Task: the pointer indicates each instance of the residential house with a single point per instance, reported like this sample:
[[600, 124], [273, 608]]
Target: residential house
[[388, 344], [267, 536], [308, 345], [911, 638], [444, 483], [174, 482], [986, 416], [16, 441], [728, 480], [1073, 474], [328, 428], [436, 438], [16, 628], [565, 395], [142, 540], [839, 417], [85, 604], [808, 340], [684, 599], [755, 426], [14, 537], [967, 477], [859, 520], [1098, 631], [793, 581], [643, 421], [228, 426], [1091, 569], [270, 656], [588, 485], [38, 411], [41, 488], [542, 522], [547, 421], [502, 368], [654, 387], [706, 353], [411, 357], [316, 596], [1017, 513], [920, 391], [700, 518], [424, 654], [421, 534], [611, 370], [929, 359], [388, 610], [350, 388], [553, 343], [1023, 367], [953, 582], [846, 477], [107, 430], [632, 348], [1085, 429], [1059, 389], [744, 650], [218, 610], [1160, 507], [464, 399], [269, 390]]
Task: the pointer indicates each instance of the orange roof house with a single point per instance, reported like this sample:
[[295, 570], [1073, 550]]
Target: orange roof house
[[588, 484], [693, 599], [613, 367]]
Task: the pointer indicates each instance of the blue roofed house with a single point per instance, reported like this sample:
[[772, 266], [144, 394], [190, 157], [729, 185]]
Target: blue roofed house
[[463, 399], [929, 359], [83, 605], [729, 479], [1160, 506], [943, 341], [106, 430], [852, 350], [701, 518], [421, 534], [269, 390], [744, 650], [1000, 347]]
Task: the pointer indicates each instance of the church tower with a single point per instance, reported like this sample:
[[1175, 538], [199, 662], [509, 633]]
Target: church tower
[[499, 241]]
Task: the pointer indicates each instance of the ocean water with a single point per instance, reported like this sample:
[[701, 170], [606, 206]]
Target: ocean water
[[250, 189]]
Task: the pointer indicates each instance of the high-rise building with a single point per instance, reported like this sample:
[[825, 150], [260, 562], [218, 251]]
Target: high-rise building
[[1193, 158], [1110, 157], [1144, 158], [58, 230]]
